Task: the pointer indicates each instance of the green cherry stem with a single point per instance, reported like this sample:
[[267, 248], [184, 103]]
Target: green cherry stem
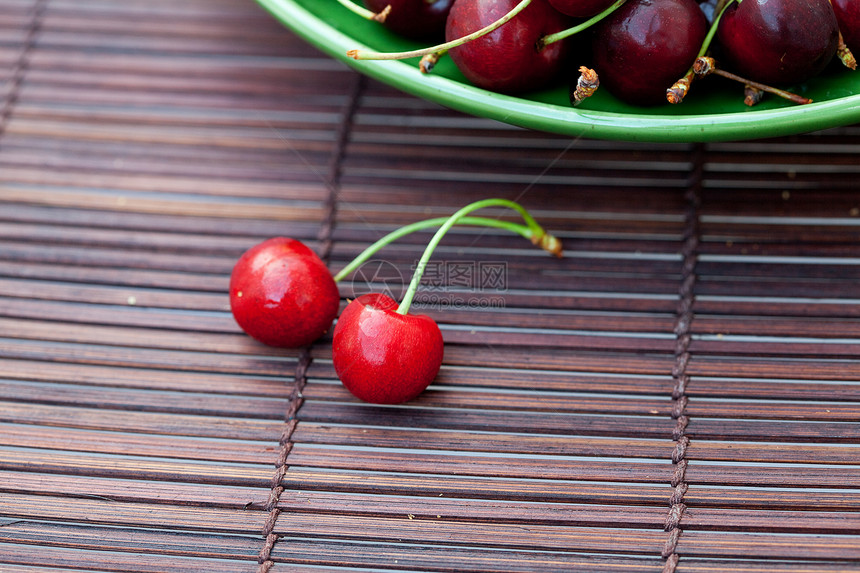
[[526, 231], [550, 38], [540, 237], [364, 12], [370, 55]]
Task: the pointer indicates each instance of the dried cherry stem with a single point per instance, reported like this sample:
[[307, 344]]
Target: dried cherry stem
[[533, 232], [586, 85], [364, 12], [429, 61], [706, 65], [844, 54], [679, 89], [752, 95], [540, 237], [371, 55], [558, 36]]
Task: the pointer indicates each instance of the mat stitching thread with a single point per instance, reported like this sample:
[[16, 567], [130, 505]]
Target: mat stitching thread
[[296, 398], [22, 62], [684, 319]]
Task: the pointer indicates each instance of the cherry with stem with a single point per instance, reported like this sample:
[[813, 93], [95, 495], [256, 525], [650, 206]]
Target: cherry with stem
[[385, 355], [436, 51]]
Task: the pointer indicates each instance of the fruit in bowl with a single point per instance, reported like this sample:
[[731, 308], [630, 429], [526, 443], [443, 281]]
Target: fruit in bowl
[[641, 48]]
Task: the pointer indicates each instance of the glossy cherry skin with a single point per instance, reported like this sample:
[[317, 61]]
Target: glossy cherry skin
[[581, 8], [645, 46], [507, 59], [848, 15], [282, 294], [778, 42], [384, 357], [415, 19]]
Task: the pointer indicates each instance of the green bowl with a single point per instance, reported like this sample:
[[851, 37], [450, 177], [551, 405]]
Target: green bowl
[[713, 111]]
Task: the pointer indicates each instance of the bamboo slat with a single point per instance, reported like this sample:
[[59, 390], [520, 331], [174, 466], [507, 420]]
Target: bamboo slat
[[680, 392]]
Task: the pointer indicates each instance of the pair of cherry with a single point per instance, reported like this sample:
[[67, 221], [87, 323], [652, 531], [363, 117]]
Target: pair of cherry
[[282, 294], [639, 48]]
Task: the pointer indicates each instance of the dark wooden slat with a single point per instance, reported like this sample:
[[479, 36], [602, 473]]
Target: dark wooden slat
[[534, 379], [142, 487], [489, 420], [99, 511], [141, 422], [451, 559], [216, 362], [115, 561], [590, 469], [133, 467], [304, 479], [523, 402], [115, 442], [169, 380], [486, 534], [142, 400], [534, 466], [597, 446], [495, 511], [762, 545], [130, 540]]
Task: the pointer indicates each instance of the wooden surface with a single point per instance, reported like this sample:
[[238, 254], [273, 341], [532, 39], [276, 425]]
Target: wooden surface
[[681, 392]]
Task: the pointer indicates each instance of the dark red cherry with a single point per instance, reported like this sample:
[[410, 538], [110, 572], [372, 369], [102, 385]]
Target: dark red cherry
[[848, 15], [382, 356], [778, 42], [415, 19], [282, 294], [581, 8], [645, 46], [507, 60]]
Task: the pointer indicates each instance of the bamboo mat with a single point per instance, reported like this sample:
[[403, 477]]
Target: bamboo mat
[[679, 393]]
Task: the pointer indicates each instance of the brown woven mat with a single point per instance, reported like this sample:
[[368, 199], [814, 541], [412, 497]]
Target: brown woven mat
[[679, 393]]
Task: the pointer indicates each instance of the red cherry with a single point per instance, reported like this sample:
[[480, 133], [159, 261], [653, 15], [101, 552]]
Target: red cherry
[[507, 60], [642, 48], [415, 19], [282, 294], [778, 42], [382, 356]]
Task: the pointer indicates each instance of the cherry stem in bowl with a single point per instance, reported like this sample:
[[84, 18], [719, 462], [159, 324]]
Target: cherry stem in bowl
[[434, 51], [370, 55], [364, 12], [705, 66], [542, 238], [550, 38], [679, 89], [844, 54], [533, 233]]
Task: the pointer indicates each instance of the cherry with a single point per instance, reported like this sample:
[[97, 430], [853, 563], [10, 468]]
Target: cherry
[[385, 355], [581, 8], [414, 19], [282, 294], [642, 48], [848, 15], [382, 356], [508, 59], [778, 42]]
